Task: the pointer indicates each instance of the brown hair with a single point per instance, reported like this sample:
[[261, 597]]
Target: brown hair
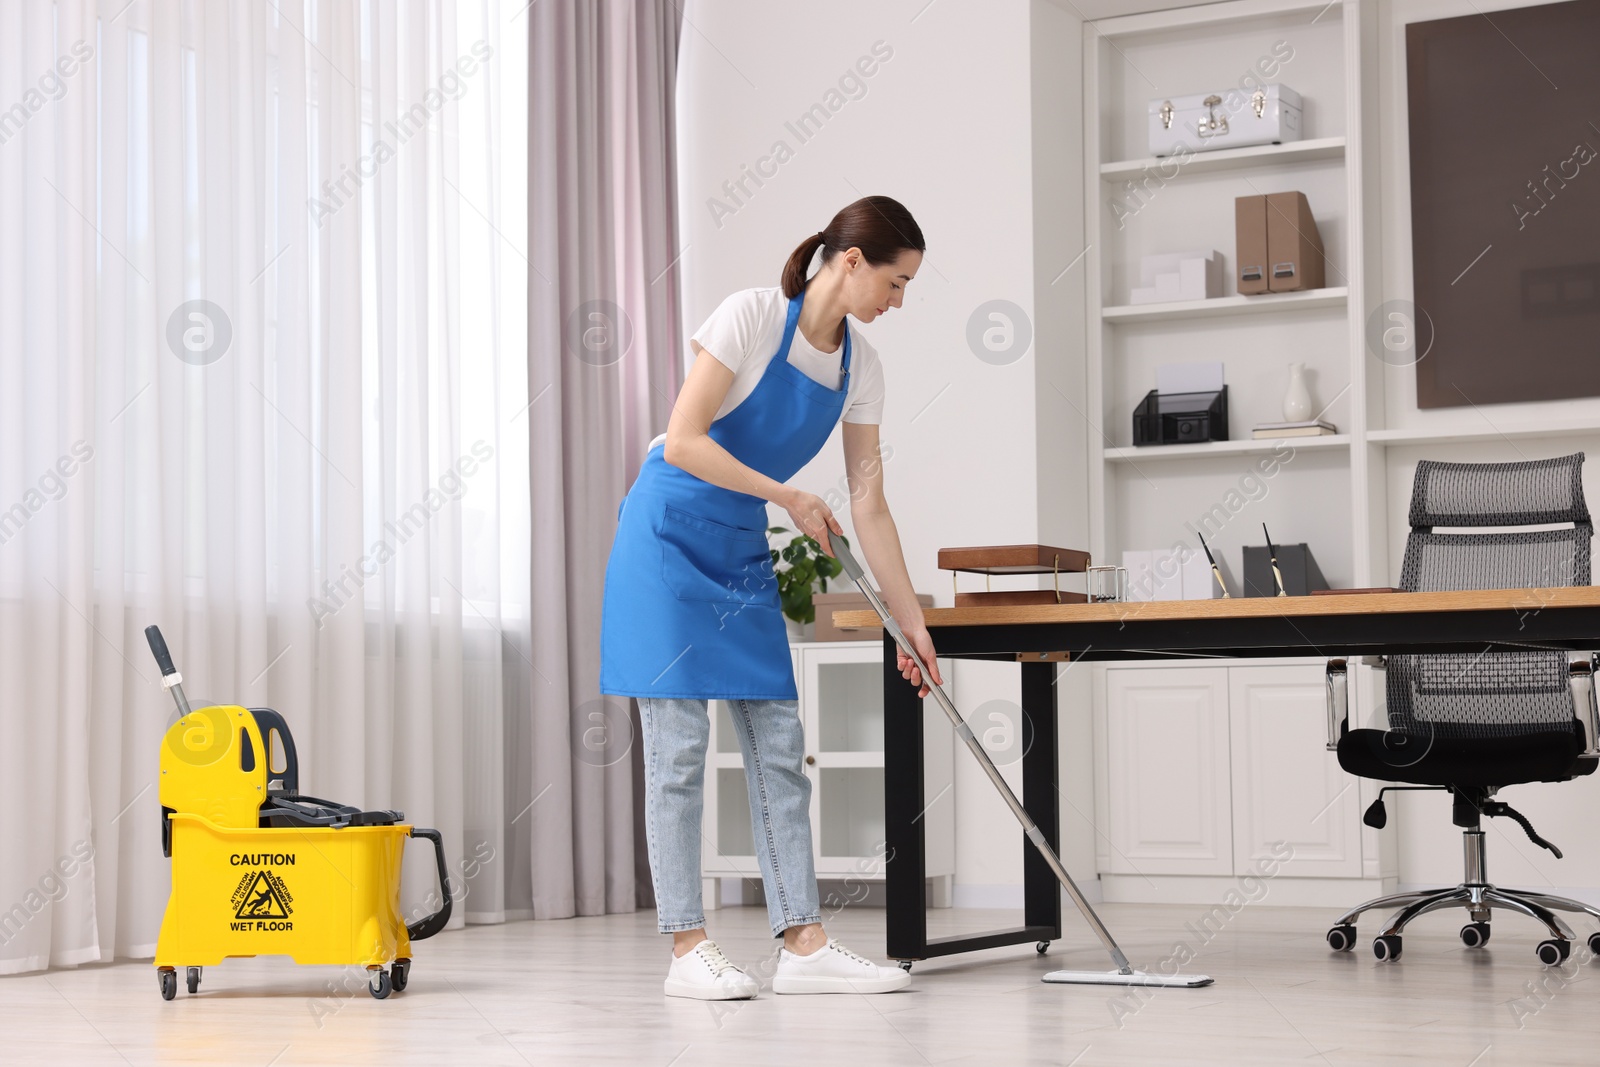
[[878, 225]]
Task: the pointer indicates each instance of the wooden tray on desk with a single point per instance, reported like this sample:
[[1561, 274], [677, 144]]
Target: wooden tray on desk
[[1013, 559], [1016, 597]]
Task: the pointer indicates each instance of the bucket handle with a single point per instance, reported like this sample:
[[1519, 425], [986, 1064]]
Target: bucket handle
[[432, 924]]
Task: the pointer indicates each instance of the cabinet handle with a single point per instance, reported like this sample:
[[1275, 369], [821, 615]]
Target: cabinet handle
[[811, 761]]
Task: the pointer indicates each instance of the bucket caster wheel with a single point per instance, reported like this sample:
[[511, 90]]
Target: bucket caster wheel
[[399, 975], [193, 979], [1042, 947], [379, 985], [169, 982], [905, 965], [1554, 951], [1475, 935], [1342, 938], [1386, 947], [1594, 944]]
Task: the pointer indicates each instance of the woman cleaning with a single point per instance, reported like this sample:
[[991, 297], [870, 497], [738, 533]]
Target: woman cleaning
[[691, 611]]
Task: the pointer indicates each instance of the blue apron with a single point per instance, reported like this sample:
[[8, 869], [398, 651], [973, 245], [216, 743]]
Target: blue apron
[[691, 604]]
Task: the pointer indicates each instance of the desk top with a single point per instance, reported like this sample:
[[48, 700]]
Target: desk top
[[1516, 600]]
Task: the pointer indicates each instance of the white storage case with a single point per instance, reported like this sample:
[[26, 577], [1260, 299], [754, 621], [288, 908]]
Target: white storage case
[[1236, 118]]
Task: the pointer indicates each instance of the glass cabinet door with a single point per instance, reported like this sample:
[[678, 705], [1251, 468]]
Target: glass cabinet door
[[842, 689]]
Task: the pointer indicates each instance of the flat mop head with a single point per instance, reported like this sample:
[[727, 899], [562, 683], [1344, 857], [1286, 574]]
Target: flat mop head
[[1181, 981]]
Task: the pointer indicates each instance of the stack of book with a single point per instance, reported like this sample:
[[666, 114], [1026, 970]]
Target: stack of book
[[1314, 428]]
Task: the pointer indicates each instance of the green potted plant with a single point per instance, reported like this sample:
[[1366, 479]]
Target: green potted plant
[[801, 567]]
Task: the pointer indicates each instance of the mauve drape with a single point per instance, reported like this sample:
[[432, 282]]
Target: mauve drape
[[603, 367]]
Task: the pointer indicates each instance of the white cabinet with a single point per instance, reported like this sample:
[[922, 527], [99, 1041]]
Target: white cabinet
[[1216, 772], [1167, 740], [1287, 787], [840, 687]]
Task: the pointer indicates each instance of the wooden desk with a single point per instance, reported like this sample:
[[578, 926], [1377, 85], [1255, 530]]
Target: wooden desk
[[1039, 638]]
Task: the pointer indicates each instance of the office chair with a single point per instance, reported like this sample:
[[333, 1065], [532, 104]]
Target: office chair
[[1472, 724]]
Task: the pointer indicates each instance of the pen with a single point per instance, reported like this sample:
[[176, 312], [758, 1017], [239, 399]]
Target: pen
[[1277, 576], [1214, 570]]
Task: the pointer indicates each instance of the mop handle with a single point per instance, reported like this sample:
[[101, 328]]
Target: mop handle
[[170, 678], [1029, 827]]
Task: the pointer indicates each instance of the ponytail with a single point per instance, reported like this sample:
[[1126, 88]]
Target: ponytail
[[880, 227], [794, 271]]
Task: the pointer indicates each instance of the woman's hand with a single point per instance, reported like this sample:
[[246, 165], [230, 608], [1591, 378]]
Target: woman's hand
[[922, 644], [813, 518]]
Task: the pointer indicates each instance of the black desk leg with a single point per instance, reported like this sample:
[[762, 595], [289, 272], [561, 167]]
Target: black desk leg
[[1041, 891], [905, 803], [907, 856]]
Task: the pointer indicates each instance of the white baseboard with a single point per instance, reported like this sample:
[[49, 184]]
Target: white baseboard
[[1281, 891]]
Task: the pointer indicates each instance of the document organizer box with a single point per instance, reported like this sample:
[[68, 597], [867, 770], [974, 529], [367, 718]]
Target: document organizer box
[[259, 869], [1181, 418]]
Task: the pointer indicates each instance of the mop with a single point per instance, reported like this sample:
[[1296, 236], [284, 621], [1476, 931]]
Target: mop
[[1124, 973]]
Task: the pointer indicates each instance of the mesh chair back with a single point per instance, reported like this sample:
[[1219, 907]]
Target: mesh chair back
[[1491, 694]]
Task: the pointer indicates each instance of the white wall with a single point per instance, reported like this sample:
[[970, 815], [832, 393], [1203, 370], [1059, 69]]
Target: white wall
[[946, 125]]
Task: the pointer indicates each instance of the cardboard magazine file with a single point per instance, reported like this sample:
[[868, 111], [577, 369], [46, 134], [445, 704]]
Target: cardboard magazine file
[[1294, 246], [1250, 252]]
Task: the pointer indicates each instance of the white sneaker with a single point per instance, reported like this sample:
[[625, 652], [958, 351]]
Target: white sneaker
[[834, 969], [704, 973]]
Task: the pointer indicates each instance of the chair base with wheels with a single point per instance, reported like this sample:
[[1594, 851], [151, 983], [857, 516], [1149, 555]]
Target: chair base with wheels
[[1475, 893]]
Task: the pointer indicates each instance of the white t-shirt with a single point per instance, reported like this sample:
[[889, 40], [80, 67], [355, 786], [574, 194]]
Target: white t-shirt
[[744, 333]]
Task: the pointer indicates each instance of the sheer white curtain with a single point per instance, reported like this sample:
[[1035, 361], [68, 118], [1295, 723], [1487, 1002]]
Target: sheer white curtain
[[263, 381]]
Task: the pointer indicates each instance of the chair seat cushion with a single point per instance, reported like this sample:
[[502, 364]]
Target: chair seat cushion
[[1546, 756]]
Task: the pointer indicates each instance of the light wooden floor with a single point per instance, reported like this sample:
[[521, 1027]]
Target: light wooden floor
[[589, 991]]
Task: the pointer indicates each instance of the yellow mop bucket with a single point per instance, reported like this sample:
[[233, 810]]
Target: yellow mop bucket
[[259, 869]]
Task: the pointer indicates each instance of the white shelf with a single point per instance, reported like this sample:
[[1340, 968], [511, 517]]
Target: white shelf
[[1224, 448], [1228, 305], [1246, 13], [1270, 155], [1484, 432]]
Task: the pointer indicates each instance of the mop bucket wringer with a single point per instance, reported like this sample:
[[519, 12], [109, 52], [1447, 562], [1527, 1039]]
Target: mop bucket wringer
[[260, 869]]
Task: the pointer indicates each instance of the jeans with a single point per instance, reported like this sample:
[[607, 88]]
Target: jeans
[[676, 733]]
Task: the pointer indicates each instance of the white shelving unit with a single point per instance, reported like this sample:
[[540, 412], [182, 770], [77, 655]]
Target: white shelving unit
[[1143, 206], [840, 687], [1207, 763]]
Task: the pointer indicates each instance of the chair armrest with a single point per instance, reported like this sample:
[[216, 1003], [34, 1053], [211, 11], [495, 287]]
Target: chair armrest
[[1338, 700], [1584, 706]]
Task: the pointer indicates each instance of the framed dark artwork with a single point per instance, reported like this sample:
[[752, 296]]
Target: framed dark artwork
[[1505, 203]]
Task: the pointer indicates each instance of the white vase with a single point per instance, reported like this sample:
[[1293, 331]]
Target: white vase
[[1297, 400]]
